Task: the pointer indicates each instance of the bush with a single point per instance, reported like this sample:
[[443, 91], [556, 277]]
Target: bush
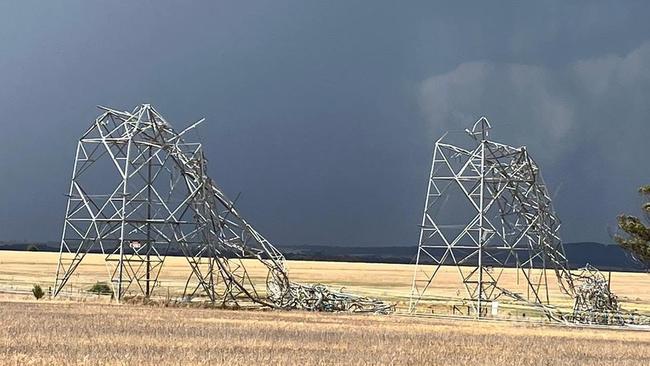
[[101, 288], [32, 248], [38, 292]]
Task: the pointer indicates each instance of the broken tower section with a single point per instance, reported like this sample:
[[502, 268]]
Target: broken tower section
[[487, 208]]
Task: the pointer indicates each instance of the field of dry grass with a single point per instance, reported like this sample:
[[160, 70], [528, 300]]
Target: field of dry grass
[[93, 332], [49, 333], [392, 282]]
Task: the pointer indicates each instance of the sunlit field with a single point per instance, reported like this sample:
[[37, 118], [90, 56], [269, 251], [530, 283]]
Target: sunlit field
[[48, 333], [79, 328], [391, 282]]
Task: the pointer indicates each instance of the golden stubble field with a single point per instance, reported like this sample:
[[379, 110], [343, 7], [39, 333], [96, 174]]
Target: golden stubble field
[[48, 333], [92, 332], [392, 282]]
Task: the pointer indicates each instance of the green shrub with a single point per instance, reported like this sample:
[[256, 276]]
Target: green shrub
[[32, 248], [38, 292], [101, 288]]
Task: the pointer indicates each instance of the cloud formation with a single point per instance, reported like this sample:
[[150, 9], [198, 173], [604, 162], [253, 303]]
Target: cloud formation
[[553, 110]]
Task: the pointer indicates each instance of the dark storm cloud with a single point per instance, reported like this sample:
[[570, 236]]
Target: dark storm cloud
[[323, 115], [586, 122]]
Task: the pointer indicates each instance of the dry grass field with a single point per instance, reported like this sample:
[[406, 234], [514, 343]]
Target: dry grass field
[[392, 282], [61, 332], [88, 333]]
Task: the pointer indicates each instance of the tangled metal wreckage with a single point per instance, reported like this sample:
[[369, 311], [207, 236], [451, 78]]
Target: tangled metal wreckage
[[487, 208], [139, 189], [595, 303]]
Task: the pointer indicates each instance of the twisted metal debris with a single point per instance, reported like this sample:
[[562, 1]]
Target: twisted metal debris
[[594, 301], [139, 188], [318, 297]]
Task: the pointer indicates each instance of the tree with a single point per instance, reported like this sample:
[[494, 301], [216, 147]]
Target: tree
[[636, 237], [101, 288], [38, 292]]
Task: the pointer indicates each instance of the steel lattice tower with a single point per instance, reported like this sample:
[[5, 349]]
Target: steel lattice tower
[[487, 208], [138, 189]]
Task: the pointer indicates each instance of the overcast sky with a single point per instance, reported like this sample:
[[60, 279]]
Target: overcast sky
[[323, 114]]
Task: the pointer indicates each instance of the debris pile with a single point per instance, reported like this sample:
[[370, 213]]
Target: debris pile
[[594, 301], [319, 297]]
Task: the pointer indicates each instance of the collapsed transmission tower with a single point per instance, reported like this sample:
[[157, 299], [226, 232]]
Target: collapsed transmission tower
[[487, 208], [139, 189]]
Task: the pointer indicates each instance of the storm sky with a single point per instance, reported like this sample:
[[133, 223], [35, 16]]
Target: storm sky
[[323, 114]]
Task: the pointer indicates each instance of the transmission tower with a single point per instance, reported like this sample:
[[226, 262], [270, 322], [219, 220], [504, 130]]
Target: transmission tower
[[486, 209], [139, 189]]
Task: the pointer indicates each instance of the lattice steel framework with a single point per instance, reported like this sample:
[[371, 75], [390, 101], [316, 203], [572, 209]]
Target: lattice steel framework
[[138, 188], [487, 208]]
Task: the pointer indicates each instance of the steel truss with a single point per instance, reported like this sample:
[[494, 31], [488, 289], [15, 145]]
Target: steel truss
[[138, 188], [487, 208]]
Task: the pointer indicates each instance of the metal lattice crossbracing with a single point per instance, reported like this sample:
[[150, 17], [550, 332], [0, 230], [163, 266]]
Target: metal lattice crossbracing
[[139, 189], [487, 208]]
